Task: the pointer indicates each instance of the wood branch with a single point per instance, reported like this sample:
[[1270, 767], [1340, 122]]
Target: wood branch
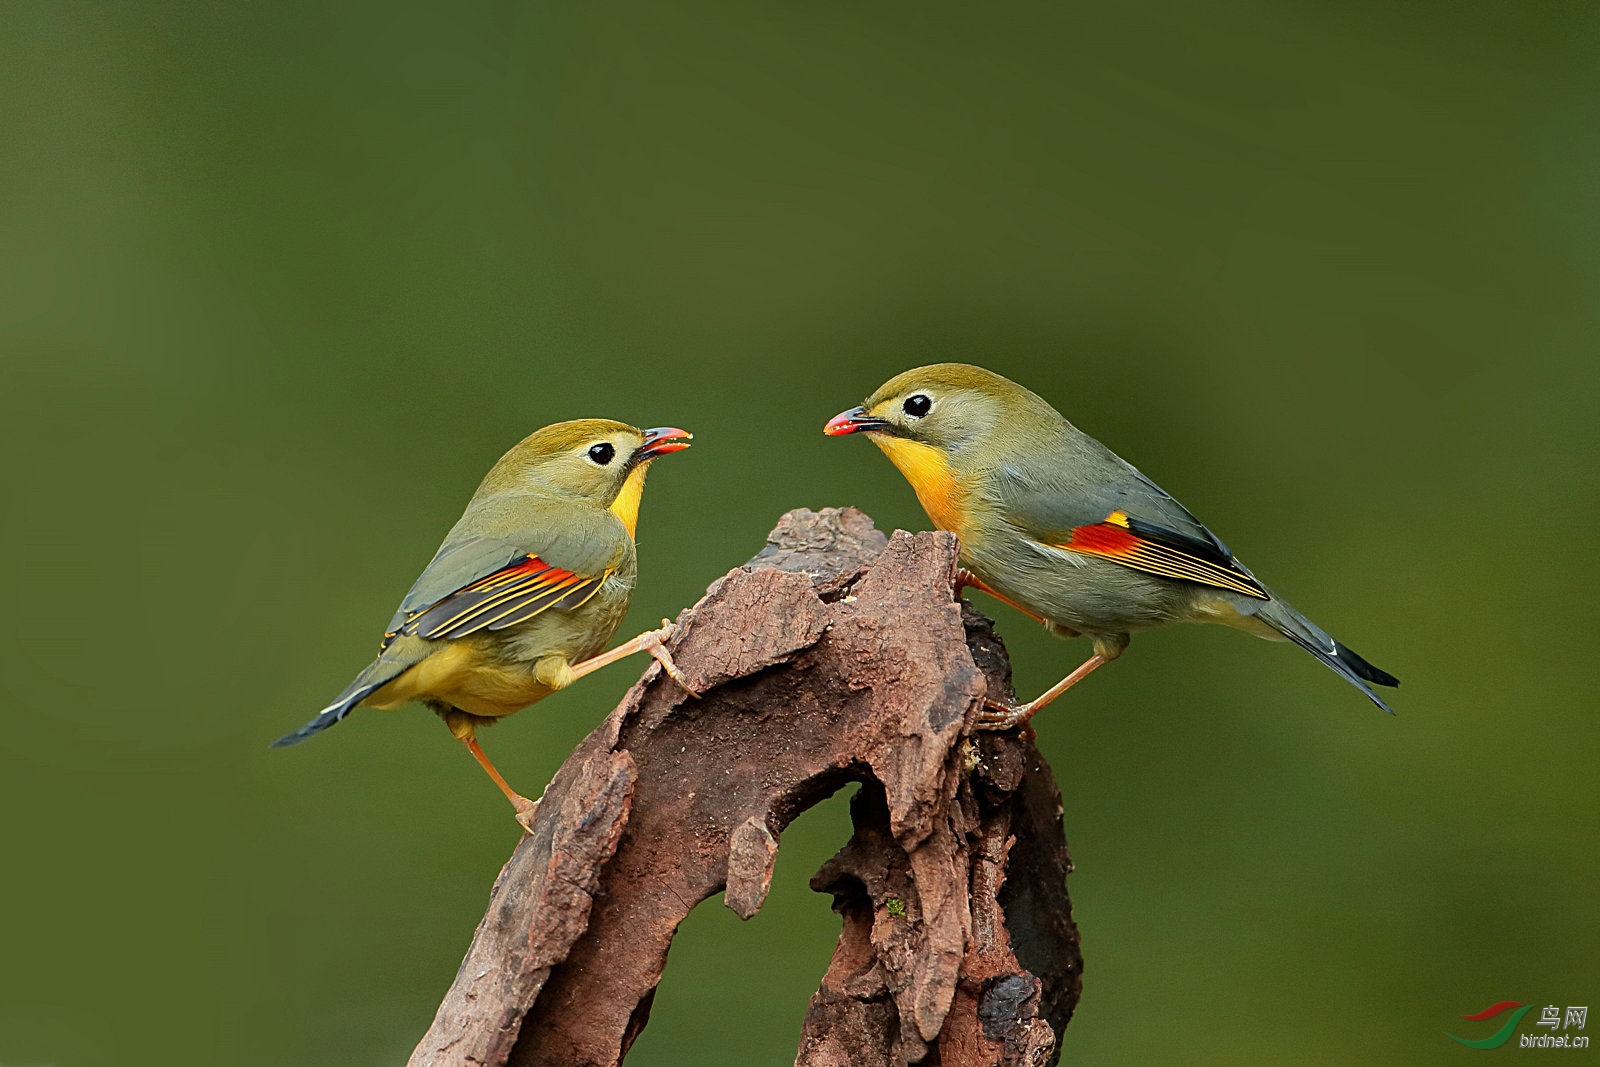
[[835, 656]]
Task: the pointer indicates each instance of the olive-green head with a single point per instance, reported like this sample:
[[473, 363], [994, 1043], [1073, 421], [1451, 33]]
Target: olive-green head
[[954, 407], [590, 459]]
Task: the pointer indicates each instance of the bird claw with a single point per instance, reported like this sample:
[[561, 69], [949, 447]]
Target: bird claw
[[526, 810], [994, 715], [964, 578], [655, 644]]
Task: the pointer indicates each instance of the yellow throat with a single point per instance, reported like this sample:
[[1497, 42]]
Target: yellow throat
[[626, 506], [930, 475]]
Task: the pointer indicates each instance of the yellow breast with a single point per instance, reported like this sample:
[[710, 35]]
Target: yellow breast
[[930, 475]]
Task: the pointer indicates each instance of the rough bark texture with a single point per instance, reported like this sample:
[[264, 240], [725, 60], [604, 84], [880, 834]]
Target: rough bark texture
[[835, 655]]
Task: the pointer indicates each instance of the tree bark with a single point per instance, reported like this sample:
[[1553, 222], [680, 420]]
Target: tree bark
[[835, 656]]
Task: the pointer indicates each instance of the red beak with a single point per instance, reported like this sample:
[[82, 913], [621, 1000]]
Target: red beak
[[856, 420], [661, 440]]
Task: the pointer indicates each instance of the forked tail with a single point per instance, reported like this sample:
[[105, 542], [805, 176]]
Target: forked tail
[[365, 684], [1311, 637]]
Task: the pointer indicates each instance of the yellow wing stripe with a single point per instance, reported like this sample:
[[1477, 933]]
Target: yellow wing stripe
[[551, 596], [503, 598], [540, 586], [1112, 540]]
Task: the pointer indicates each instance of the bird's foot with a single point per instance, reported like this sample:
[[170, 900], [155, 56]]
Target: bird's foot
[[965, 578], [655, 643], [997, 716], [526, 810]]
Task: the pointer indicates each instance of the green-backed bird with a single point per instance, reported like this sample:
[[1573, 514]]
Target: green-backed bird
[[1058, 526], [526, 590]]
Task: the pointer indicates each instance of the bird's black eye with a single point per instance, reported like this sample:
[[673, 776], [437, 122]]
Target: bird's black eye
[[917, 405], [602, 453]]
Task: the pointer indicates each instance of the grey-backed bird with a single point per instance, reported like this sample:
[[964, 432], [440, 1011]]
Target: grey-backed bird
[[526, 590], [1058, 526]]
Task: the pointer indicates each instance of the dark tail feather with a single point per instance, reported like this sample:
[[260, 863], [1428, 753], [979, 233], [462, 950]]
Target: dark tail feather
[[1355, 670], [1309, 636], [1366, 670], [354, 693]]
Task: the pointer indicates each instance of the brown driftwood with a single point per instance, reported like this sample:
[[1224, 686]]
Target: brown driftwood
[[836, 655]]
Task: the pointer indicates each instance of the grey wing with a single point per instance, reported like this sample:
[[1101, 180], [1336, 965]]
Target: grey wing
[[457, 564], [1099, 504], [1175, 517], [479, 581], [1089, 485]]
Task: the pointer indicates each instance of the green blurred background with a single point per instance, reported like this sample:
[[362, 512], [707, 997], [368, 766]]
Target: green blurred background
[[281, 281]]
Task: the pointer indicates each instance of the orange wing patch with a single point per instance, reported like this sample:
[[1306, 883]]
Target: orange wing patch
[[504, 598], [1115, 541]]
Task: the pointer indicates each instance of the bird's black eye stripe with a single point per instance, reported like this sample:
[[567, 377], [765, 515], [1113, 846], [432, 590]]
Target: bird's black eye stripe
[[917, 405], [602, 453]]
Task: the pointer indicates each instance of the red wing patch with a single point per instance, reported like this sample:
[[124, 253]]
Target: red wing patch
[[1113, 540], [504, 598]]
